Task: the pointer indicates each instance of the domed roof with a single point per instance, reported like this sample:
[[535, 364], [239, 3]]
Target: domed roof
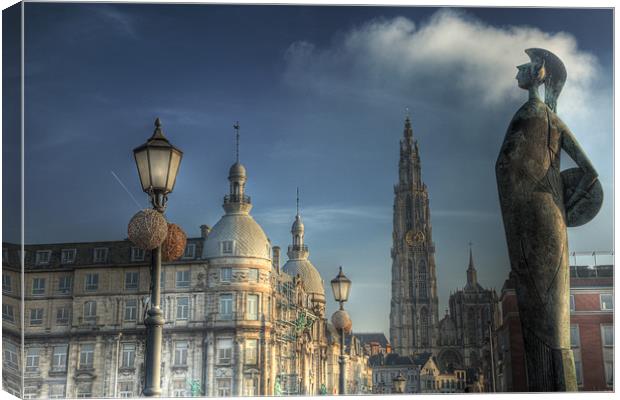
[[310, 277], [247, 236], [237, 169], [298, 225]]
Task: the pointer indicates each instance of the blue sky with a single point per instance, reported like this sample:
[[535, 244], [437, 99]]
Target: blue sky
[[320, 93]]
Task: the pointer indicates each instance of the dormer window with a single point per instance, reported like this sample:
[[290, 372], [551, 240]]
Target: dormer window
[[227, 247], [100, 255], [43, 257], [137, 254], [67, 256], [190, 251]]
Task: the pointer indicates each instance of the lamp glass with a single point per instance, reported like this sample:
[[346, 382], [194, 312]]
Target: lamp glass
[[159, 163], [341, 285], [142, 162], [175, 162]]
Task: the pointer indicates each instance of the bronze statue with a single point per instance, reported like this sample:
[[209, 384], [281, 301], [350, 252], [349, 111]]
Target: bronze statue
[[538, 203]]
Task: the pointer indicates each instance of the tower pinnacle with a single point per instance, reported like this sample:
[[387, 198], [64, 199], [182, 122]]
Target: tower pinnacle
[[472, 275]]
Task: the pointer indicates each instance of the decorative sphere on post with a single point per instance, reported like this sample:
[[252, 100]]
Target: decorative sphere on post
[[147, 229], [341, 320], [173, 247]]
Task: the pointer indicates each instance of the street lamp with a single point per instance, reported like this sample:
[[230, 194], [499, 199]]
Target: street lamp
[[158, 163], [398, 383], [341, 285]]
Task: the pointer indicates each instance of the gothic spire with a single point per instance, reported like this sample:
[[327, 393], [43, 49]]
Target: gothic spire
[[298, 250], [472, 275]]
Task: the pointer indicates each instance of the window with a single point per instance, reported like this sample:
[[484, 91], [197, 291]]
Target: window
[[100, 255], [32, 359], [43, 257], [131, 280], [36, 316], [87, 355], [180, 353], [131, 310], [84, 390], [162, 278], [607, 301], [251, 351], [608, 335], [223, 387], [572, 302], [224, 351], [253, 275], [227, 247], [7, 313], [226, 303], [183, 308], [575, 344], [225, 274], [64, 284], [125, 389], [183, 279], [59, 358], [137, 254], [90, 310], [178, 387], [190, 250], [31, 392], [62, 316], [57, 391], [9, 353], [422, 280], [91, 282], [252, 307], [6, 283], [607, 332], [67, 256], [129, 355], [38, 286]]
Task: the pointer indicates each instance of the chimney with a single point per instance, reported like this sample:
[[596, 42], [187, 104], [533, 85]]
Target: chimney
[[204, 231], [276, 258]]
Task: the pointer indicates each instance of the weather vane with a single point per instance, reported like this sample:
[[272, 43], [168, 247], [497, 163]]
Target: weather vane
[[236, 127]]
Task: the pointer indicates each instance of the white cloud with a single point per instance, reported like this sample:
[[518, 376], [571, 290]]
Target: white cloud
[[451, 56]]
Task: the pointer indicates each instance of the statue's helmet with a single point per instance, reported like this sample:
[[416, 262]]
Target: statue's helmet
[[555, 73]]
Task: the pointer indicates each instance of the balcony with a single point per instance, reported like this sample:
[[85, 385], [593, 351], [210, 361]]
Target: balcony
[[236, 198]]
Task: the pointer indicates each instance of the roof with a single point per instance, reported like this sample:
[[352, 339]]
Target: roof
[[310, 277], [249, 239], [367, 338]]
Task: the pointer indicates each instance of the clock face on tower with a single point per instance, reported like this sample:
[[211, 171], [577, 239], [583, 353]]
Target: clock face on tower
[[409, 238]]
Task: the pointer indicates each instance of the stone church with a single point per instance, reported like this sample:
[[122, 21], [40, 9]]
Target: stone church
[[462, 338]]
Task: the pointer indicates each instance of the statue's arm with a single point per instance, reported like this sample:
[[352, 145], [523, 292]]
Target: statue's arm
[[574, 150]]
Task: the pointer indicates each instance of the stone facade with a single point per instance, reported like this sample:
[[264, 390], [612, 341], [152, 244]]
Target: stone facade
[[236, 324]]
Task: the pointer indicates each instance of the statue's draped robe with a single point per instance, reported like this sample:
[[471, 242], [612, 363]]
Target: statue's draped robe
[[531, 198]]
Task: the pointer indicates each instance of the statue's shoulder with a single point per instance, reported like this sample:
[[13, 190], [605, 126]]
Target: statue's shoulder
[[531, 109]]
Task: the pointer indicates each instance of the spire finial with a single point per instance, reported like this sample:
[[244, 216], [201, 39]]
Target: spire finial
[[471, 257], [297, 200], [407, 114], [157, 123], [236, 127]]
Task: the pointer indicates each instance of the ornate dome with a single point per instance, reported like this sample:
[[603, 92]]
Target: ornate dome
[[310, 277], [236, 170], [298, 225], [247, 237]]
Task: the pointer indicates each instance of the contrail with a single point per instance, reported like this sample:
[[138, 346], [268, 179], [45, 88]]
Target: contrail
[[128, 192]]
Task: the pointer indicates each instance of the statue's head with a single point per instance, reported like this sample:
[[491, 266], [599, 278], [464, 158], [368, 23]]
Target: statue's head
[[544, 67]]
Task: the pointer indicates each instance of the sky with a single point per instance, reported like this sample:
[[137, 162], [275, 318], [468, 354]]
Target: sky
[[320, 94]]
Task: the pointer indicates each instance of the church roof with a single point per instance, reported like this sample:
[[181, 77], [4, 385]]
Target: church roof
[[378, 337]]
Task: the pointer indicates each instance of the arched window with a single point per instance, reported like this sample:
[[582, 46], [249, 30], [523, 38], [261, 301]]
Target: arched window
[[424, 331], [471, 323], [422, 289]]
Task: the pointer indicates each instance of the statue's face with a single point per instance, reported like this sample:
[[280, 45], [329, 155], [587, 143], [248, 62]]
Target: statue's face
[[525, 76]]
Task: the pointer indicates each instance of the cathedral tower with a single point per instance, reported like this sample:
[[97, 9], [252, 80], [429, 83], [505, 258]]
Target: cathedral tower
[[413, 313]]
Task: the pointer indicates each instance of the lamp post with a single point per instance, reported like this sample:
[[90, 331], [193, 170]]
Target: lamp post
[[158, 163], [398, 384], [341, 285]]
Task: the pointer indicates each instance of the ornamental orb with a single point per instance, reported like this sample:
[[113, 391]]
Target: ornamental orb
[[147, 229], [341, 320], [174, 246]]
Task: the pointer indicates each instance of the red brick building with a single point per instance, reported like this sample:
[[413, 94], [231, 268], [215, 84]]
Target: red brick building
[[592, 337]]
